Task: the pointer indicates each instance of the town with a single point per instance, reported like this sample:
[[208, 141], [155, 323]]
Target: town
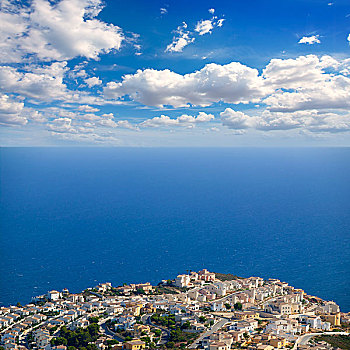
[[196, 310]]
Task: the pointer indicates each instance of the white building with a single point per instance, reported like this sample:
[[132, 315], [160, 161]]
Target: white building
[[182, 281], [53, 295]]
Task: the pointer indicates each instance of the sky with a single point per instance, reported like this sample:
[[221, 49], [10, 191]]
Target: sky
[[175, 73]]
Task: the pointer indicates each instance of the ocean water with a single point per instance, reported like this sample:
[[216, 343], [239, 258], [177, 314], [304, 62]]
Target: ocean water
[[75, 217]]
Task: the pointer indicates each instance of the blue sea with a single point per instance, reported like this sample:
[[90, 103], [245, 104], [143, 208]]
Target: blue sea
[[73, 217]]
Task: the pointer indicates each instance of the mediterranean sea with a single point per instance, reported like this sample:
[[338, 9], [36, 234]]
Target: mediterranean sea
[[74, 217]]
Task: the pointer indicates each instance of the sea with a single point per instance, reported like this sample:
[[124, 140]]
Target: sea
[[75, 217]]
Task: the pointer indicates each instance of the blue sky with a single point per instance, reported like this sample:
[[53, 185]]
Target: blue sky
[[175, 73]]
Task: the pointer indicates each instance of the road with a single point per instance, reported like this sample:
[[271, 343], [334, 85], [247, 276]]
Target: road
[[107, 331], [213, 329], [164, 338], [303, 340]]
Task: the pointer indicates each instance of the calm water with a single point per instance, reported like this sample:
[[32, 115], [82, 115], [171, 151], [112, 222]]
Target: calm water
[[75, 217]]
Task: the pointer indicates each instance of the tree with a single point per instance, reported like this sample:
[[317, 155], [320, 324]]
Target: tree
[[91, 347], [202, 319], [186, 325], [228, 306], [93, 319], [238, 306], [59, 341]]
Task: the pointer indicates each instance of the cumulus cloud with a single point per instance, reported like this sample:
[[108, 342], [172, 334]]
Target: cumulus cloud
[[204, 27], [231, 83], [220, 22], [62, 125], [93, 81], [87, 108], [44, 83], [310, 40], [163, 11], [125, 124], [236, 119], [304, 84], [284, 87], [82, 127], [184, 37], [312, 121], [65, 129], [349, 38], [59, 31], [181, 39], [183, 120], [11, 111]]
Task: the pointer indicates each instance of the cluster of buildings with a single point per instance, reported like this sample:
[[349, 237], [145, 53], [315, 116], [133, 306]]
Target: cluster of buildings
[[252, 313]]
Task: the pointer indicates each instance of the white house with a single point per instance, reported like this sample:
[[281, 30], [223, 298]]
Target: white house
[[53, 295], [182, 281]]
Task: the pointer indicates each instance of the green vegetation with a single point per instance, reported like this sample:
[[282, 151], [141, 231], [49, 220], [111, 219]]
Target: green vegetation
[[165, 321], [157, 332], [186, 325], [112, 342], [93, 319], [179, 336], [238, 306], [337, 341], [202, 319], [227, 306], [78, 339], [53, 329], [164, 289], [226, 276]]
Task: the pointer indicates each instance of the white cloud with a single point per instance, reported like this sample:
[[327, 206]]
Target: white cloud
[[231, 83], [183, 120], [62, 125], [181, 39], [93, 81], [349, 38], [163, 11], [87, 108], [204, 26], [278, 121], [69, 123], [43, 83], [236, 119], [59, 31], [310, 87], [11, 111], [184, 37], [285, 85], [220, 22], [313, 39], [312, 121], [125, 124], [211, 11]]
